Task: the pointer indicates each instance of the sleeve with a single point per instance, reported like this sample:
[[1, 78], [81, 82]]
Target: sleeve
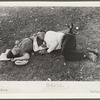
[[35, 45], [52, 46]]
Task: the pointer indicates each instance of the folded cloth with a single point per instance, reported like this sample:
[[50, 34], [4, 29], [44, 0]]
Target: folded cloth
[[3, 56]]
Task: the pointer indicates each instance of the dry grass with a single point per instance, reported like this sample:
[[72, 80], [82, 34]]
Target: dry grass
[[17, 23]]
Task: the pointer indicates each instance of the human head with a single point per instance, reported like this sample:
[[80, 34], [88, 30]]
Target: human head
[[13, 53], [41, 34]]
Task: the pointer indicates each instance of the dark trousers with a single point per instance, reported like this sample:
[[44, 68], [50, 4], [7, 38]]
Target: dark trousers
[[68, 49]]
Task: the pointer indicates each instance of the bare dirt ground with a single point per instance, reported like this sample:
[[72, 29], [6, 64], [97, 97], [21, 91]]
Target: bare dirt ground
[[18, 23]]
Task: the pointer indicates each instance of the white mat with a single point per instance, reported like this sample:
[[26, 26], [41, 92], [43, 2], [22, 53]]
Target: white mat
[[3, 56]]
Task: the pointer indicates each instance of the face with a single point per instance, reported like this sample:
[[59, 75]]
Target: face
[[41, 35], [15, 50]]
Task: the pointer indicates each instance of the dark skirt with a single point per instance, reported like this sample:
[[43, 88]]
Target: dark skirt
[[68, 49]]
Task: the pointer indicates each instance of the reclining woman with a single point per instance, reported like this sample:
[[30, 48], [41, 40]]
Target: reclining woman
[[66, 41], [21, 52]]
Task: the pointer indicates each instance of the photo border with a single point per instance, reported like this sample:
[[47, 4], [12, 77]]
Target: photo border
[[48, 95]]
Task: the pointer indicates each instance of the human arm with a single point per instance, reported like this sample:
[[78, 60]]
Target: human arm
[[35, 45], [43, 46], [52, 46], [25, 56]]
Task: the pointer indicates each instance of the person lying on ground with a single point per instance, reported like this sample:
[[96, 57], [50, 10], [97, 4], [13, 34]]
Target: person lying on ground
[[66, 41], [70, 53], [52, 40], [22, 49]]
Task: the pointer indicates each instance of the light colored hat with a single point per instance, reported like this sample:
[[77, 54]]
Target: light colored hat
[[21, 62]]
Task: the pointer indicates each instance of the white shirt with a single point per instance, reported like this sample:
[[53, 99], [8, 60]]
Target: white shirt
[[53, 40], [35, 45]]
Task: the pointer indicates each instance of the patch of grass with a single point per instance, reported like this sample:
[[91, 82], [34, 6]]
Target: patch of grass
[[22, 22]]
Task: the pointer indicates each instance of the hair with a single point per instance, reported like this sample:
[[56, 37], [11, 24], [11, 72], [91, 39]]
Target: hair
[[39, 41], [10, 54], [42, 31]]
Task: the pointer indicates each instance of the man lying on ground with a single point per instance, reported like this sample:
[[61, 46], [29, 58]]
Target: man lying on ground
[[66, 41]]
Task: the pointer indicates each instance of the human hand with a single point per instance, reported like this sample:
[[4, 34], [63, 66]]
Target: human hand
[[35, 38], [43, 51], [16, 42], [12, 60], [35, 35]]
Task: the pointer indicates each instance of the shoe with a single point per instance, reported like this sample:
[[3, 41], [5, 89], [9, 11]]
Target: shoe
[[70, 25], [92, 57], [95, 51], [71, 28]]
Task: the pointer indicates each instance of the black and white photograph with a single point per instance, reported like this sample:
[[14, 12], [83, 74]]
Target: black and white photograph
[[42, 43]]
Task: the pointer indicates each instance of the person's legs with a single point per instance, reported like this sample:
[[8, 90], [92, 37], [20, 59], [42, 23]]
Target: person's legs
[[68, 49], [70, 53], [68, 43], [68, 29], [75, 56]]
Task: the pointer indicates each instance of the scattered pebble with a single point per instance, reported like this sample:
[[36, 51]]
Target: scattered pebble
[[35, 19], [77, 28], [10, 21], [77, 33], [81, 76], [58, 25], [31, 23], [81, 70], [57, 59], [34, 77], [52, 8], [31, 16], [89, 43], [59, 79], [64, 64], [68, 72], [88, 18], [32, 64], [49, 79], [65, 79]]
